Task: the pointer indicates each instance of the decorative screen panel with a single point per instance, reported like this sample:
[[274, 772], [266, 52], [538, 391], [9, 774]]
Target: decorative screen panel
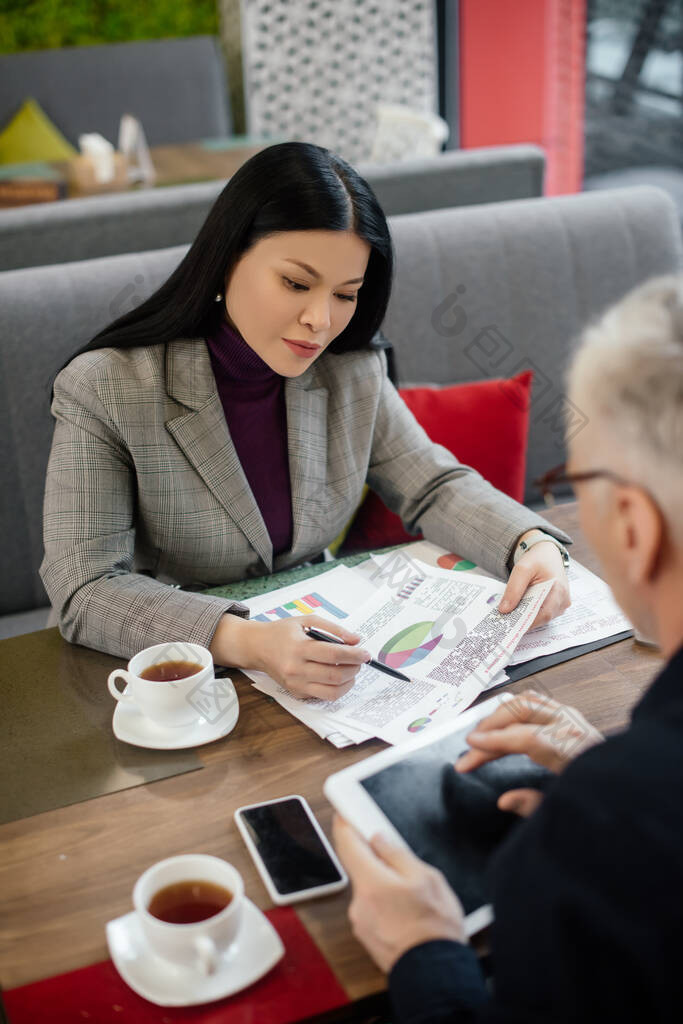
[[316, 69]]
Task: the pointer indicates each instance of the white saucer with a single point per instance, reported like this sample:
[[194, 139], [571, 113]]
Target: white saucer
[[131, 726], [258, 949]]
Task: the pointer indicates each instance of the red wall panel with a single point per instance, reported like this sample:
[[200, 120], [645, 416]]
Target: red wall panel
[[522, 80]]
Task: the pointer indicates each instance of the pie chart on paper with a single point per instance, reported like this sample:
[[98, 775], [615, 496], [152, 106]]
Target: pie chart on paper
[[409, 646], [451, 561]]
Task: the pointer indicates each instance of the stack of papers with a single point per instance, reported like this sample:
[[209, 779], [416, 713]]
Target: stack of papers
[[445, 634], [593, 614], [433, 616]]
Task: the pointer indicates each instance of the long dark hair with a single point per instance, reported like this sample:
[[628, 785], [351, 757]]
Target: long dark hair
[[293, 186]]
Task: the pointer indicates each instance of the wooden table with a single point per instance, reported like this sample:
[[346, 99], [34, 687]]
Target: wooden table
[[66, 872], [191, 161], [176, 164]]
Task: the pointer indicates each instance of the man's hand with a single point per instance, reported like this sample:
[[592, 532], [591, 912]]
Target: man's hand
[[551, 734], [541, 562], [398, 900]]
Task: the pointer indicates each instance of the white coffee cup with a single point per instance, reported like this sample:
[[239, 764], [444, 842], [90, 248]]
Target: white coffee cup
[[166, 703], [199, 945]]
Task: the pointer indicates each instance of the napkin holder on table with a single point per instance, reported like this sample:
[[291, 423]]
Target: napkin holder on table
[[133, 144], [98, 168]]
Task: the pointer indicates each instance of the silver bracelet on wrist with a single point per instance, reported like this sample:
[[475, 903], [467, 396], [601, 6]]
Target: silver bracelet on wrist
[[525, 545]]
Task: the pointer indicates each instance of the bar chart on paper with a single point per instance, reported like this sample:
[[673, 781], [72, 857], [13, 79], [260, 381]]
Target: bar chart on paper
[[308, 604]]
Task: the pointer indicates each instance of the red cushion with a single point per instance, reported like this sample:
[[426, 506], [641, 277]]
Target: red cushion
[[484, 424]]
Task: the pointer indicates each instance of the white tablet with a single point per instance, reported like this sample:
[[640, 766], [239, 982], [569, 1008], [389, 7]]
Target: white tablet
[[412, 794]]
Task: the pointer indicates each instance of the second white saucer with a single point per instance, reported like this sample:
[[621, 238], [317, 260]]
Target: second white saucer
[[131, 726], [258, 949]]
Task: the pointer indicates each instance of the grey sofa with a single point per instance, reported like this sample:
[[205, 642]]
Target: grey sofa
[[176, 87], [480, 292], [80, 229], [669, 179]]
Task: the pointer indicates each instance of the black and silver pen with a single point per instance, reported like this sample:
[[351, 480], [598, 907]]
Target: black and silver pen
[[330, 638]]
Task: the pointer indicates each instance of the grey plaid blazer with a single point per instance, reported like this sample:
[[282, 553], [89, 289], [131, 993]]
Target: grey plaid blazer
[[145, 489]]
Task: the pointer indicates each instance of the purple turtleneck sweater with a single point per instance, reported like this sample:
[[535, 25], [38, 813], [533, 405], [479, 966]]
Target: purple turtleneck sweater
[[253, 400]]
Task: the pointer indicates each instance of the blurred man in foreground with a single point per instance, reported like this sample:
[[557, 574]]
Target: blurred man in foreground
[[588, 891]]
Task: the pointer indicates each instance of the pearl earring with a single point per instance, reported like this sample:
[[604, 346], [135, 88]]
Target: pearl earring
[[219, 297]]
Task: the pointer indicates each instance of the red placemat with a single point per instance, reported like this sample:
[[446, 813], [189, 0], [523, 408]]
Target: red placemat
[[300, 985]]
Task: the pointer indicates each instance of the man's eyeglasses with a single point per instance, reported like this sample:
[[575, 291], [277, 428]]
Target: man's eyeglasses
[[558, 477]]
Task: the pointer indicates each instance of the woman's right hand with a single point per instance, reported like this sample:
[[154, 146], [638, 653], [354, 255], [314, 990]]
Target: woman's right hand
[[305, 667]]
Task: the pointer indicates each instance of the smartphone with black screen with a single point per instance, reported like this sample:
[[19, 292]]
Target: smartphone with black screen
[[290, 850]]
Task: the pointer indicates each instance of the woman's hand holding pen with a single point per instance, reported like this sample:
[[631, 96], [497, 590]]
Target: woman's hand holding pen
[[311, 668], [305, 667]]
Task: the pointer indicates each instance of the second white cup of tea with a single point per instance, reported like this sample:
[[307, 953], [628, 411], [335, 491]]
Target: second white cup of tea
[[201, 944], [166, 702]]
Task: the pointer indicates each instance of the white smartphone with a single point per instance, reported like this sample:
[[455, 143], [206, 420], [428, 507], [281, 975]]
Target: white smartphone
[[290, 850]]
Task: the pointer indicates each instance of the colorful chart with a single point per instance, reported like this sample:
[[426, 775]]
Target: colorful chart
[[409, 646], [418, 724], [305, 605], [455, 562], [411, 586]]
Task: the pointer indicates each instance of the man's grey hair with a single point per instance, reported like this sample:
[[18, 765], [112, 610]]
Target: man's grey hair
[[627, 374]]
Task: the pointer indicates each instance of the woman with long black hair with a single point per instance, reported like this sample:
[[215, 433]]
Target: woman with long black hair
[[225, 428]]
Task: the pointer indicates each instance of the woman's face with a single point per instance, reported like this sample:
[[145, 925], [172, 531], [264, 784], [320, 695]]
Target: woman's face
[[293, 293]]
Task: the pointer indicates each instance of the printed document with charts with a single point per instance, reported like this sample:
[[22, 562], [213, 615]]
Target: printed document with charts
[[592, 615], [433, 616], [441, 629]]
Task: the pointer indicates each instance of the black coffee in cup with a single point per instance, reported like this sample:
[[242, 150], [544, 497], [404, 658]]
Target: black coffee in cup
[[189, 902], [167, 671]]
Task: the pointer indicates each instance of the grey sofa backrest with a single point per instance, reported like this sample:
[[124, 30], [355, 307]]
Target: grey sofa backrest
[[176, 87], [458, 177], [80, 229], [46, 314], [492, 290], [534, 272]]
